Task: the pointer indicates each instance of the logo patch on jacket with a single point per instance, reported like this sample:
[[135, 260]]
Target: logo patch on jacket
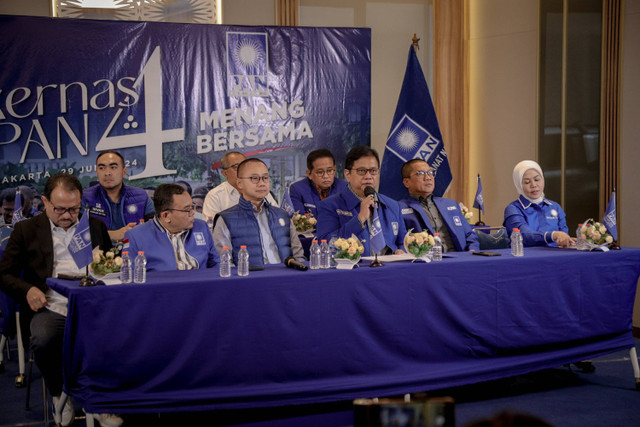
[[281, 222], [407, 211], [456, 221], [132, 209], [199, 238], [394, 225]]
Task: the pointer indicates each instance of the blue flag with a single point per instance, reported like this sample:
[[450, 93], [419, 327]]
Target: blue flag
[[80, 245], [17, 209], [415, 134], [478, 202], [286, 203], [376, 242], [609, 219]]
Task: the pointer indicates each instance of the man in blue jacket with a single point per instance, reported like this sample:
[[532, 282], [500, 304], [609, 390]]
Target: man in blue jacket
[[350, 211], [424, 211], [265, 229], [175, 239], [120, 206], [319, 184]]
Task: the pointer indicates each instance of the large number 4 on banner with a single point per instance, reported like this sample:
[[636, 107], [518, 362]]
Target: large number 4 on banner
[[154, 136]]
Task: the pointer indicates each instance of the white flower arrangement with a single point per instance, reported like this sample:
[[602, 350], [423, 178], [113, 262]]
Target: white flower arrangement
[[418, 244], [350, 248], [593, 234], [466, 212], [105, 263], [304, 222]]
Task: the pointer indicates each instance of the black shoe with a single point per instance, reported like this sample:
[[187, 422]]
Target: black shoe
[[585, 367]]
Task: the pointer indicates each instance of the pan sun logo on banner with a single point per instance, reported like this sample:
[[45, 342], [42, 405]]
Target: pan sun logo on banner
[[247, 59], [409, 140]]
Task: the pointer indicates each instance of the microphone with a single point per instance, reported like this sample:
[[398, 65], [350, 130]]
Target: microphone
[[370, 191], [292, 263]]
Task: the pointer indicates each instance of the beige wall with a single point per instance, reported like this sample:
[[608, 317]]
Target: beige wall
[[502, 97], [630, 153]]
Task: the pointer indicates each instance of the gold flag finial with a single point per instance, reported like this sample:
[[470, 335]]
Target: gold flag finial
[[415, 40]]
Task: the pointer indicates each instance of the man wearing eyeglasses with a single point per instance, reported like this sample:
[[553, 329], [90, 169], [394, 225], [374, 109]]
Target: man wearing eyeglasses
[[319, 184], [351, 212], [37, 250], [424, 211], [120, 206], [263, 227], [175, 239], [226, 194]]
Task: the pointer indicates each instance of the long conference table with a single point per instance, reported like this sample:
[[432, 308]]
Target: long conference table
[[189, 341]]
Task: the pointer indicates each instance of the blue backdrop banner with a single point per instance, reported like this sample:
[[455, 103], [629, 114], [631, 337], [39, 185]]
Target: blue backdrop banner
[[174, 98]]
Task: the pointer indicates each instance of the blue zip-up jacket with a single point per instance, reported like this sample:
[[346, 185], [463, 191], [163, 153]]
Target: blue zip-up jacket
[[305, 197], [461, 233], [134, 202], [338, 217], [536, 222], [158, 250], [245, 230]]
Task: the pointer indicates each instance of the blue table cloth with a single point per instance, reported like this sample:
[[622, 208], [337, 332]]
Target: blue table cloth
[[194, 341]]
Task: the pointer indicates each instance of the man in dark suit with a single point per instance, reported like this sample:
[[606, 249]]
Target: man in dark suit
[[37, 249]]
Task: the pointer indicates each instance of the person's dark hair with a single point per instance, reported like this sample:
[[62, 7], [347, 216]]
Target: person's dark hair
[[406, 168], [9, 194], [163, 196], [200, 191], [186, 186], [359, 152], [225, 159], [68, 182], [319, 154], [248, 161], [102, 153]]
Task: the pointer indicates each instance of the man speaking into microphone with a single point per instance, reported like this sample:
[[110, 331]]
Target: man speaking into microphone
[[373, 218]]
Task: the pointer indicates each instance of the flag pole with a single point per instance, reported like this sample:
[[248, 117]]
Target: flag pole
[[480, 223], [614, 245]]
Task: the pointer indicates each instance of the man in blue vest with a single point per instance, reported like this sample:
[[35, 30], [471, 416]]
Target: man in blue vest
[[424, 211], [319, 184], [120, 206], [265, 229], [175, 239], [351, 212]]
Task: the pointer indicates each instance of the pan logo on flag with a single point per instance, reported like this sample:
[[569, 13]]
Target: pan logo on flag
[[409, 140], [80, 241], [247, 64]]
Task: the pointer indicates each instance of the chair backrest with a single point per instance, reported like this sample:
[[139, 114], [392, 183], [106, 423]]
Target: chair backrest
[[5, 232], [492, 237]]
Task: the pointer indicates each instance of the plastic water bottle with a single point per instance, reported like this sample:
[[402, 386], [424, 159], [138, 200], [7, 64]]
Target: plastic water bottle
[[517, 247], [225, 262], [579, 238], [437, 247], [126, 270], [325, 254], [315, 255], [140, 270], [210, 225], [243, 261]]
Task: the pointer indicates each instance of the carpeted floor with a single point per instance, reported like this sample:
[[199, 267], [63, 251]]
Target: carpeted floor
[[560, 396]]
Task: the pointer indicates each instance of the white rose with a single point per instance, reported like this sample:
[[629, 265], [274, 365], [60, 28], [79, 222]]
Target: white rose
[[344, 246], [352, 250], [410, 239], [119, 262], [609, 239]]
